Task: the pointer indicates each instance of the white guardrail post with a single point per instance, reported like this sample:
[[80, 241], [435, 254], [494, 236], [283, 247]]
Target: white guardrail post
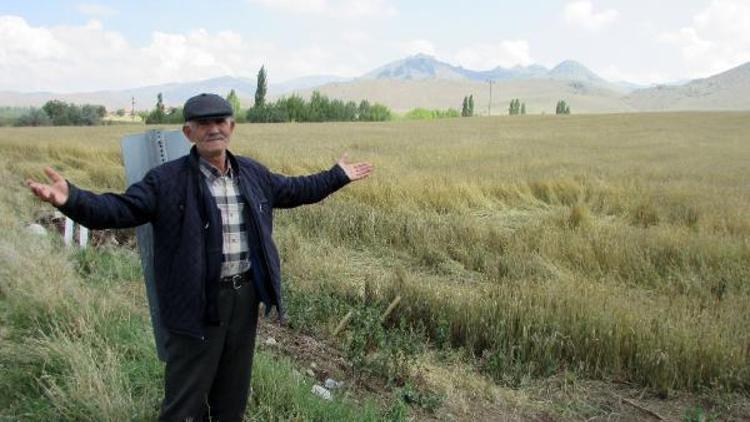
[[83, 233]]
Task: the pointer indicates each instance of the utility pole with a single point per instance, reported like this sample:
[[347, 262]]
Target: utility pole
[[132, 108], [489, 105]]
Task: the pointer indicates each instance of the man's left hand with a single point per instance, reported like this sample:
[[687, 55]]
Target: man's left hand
[[355, 171]]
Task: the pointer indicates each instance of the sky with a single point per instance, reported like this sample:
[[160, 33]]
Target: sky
[[77, 46]]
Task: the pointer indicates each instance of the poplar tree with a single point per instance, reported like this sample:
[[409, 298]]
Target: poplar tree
[[261, 88], [158, 114], [516, 107], [234, 101], [562, 108]]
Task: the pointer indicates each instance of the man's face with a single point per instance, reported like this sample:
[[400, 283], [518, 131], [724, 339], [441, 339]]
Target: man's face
[[210, 136]]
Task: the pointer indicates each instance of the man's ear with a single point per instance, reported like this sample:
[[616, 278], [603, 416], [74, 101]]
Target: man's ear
[[231, 126], [187, 130]]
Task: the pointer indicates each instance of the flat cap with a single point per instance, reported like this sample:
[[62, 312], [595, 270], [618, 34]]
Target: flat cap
[[206, 106]]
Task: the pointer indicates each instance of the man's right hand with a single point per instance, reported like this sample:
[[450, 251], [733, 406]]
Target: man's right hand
[[55, 193]]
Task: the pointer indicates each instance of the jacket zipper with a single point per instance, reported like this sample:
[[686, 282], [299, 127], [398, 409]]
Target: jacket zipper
[[256, 226]]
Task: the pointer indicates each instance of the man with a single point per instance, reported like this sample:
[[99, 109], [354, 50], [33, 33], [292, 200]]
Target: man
[[214, 256]]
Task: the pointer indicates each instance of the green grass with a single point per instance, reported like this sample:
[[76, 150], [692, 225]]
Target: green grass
[[281, 394], [611, 246]]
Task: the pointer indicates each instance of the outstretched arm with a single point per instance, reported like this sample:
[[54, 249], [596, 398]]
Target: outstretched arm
[[99, 211], [293, 191], [55, 193]]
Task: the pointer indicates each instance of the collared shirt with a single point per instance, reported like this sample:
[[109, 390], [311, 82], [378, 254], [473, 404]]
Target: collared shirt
[[226, 191]]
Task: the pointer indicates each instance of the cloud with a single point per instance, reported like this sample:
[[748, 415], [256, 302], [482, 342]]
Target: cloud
[[19, 42], [488, 56], [37, 58], [200, 54], [418, 46], [331, 8], [95, 9], [718, 39], [581, 13], [89, 57]]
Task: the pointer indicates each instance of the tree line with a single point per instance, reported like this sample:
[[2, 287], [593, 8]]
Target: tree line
[[562, 107], [60, 113], [430, 114], [319, 108], [160, 114], [516, 107]]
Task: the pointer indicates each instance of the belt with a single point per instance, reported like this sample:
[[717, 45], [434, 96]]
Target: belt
[[235, 281]]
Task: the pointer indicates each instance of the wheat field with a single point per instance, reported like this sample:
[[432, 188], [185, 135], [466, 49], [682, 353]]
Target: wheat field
[[616, 247]]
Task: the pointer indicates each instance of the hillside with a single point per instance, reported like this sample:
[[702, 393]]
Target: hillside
[[729, 90], [174, 94], [540, 95]]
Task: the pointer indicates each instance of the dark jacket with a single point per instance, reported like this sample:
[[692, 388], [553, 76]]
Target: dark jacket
[[186, 222]]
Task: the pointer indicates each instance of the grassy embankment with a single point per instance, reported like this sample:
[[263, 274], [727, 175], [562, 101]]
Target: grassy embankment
[[614, 247]]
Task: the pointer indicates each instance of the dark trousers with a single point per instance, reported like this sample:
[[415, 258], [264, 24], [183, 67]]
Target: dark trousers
[[210, 379]]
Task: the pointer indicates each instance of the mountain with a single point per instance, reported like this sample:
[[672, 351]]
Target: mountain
[[174, 94], [728, 90], [417, 67], [628, 87], [423, 81], [304, 82], [516, 72], [540, 95], [571, 70], [422, 66]]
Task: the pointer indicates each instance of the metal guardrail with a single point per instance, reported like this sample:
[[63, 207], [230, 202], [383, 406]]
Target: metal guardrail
[[140, 153]]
